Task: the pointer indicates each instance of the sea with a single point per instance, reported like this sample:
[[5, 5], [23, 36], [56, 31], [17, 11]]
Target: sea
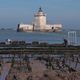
[[48, 37]]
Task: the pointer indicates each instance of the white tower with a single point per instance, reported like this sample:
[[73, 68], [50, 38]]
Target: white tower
[[40, 20]]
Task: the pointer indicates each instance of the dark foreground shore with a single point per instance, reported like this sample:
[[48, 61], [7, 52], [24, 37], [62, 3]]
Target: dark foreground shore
[[42, 67], [39, 61]]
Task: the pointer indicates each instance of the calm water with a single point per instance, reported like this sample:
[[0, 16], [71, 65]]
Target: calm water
[[50, 37]]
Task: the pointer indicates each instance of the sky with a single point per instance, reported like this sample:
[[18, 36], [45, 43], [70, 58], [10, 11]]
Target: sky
[[66, 12]]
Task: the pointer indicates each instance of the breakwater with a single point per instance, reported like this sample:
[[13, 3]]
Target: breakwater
[[21, 47]]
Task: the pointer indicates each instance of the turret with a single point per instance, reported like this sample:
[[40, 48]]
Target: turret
[[40, 20]]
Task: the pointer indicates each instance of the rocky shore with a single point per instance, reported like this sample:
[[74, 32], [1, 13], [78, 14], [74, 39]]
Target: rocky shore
[[42, 69]]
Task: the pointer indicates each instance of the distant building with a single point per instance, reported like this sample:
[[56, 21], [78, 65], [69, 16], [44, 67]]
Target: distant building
[[39, 24]]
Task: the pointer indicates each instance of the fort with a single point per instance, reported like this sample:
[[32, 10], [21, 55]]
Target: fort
[[39, 24]]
